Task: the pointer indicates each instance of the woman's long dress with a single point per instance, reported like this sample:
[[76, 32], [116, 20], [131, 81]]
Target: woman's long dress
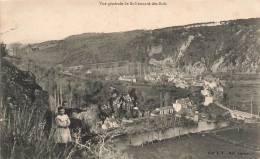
[[62, 133]]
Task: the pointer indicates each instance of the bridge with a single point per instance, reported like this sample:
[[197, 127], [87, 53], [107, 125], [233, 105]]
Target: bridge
[[236, 113]]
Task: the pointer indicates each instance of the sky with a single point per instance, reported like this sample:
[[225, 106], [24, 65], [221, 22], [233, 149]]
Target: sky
[[38, 20]]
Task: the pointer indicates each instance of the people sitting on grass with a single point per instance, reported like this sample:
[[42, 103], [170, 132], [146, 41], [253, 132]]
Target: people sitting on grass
[[109, 123]]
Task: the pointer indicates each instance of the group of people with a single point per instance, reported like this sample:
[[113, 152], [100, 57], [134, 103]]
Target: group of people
[[67, 129]]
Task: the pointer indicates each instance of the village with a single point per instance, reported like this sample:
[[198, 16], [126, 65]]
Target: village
[[211, 89]]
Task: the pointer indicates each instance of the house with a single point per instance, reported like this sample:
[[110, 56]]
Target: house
[[210, 84], [189, 114], [67, 72], [185, 102], [152, 77], [181, 104], [127, 78], [208, 100], [76, 68], [197, 83], [181, 84], [205, 92], [176, 106], [162, 111], [155, 112], [166, 110], [196, 118]]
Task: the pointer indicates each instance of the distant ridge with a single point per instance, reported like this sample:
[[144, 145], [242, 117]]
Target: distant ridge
[[225, 46]]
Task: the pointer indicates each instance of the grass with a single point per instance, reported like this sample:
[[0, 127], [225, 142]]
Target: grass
[[246, 135], [23, 138]]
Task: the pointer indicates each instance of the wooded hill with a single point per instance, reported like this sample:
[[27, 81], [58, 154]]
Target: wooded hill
[[230, 46]]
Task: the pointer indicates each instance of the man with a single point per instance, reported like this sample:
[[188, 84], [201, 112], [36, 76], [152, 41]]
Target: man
[[75, 127]]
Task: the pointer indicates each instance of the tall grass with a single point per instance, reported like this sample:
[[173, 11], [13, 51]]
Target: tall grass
[[23, 136]]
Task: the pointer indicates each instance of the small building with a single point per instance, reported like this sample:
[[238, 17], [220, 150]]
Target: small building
[[181, 104], [67, 72], [181, 84], [185, 102], [205, 92], [162, 111], [176, 106], [200, 84], [127, 78], [208, 100], [155, 112], [166, 110], [211, 84], [196, 118], [76, 68]]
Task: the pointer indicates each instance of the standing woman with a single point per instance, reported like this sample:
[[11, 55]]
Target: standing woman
[[62, 133]]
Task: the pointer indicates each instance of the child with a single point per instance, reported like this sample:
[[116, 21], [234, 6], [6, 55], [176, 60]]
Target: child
[[75, 127], [62, 133]]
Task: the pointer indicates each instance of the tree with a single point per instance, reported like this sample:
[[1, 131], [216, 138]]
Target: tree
[[16, 48], [3, 50]]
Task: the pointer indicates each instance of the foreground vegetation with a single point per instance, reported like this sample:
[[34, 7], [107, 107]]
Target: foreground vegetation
[[20, 138], [23, 135]]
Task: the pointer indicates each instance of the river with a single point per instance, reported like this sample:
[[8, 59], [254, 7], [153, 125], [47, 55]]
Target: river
[[125, 141]]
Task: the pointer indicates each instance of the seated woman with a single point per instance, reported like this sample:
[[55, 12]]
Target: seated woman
[[62, 133], [75, 127]]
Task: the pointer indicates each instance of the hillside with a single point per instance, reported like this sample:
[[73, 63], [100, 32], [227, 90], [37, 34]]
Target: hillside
[[21, 92], [228, 46]]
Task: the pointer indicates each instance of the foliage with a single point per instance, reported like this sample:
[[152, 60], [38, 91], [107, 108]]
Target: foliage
[[17, 49], [3, 50]]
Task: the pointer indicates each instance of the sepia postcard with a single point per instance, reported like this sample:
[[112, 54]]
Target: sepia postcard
[[130, 79]]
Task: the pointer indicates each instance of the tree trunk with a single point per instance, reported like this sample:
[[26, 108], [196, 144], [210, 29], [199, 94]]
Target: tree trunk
[[58, 96], [55, 98], [61, 98]]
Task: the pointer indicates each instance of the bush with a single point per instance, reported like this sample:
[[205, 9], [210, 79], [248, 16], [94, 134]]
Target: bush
[[3, 50]]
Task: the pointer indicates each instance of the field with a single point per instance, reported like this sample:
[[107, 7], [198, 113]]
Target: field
[[195, 147], [247, 135], [241, 90]]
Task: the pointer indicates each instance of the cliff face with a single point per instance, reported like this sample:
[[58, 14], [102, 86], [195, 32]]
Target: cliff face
[[21, 92], [230, 46]]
